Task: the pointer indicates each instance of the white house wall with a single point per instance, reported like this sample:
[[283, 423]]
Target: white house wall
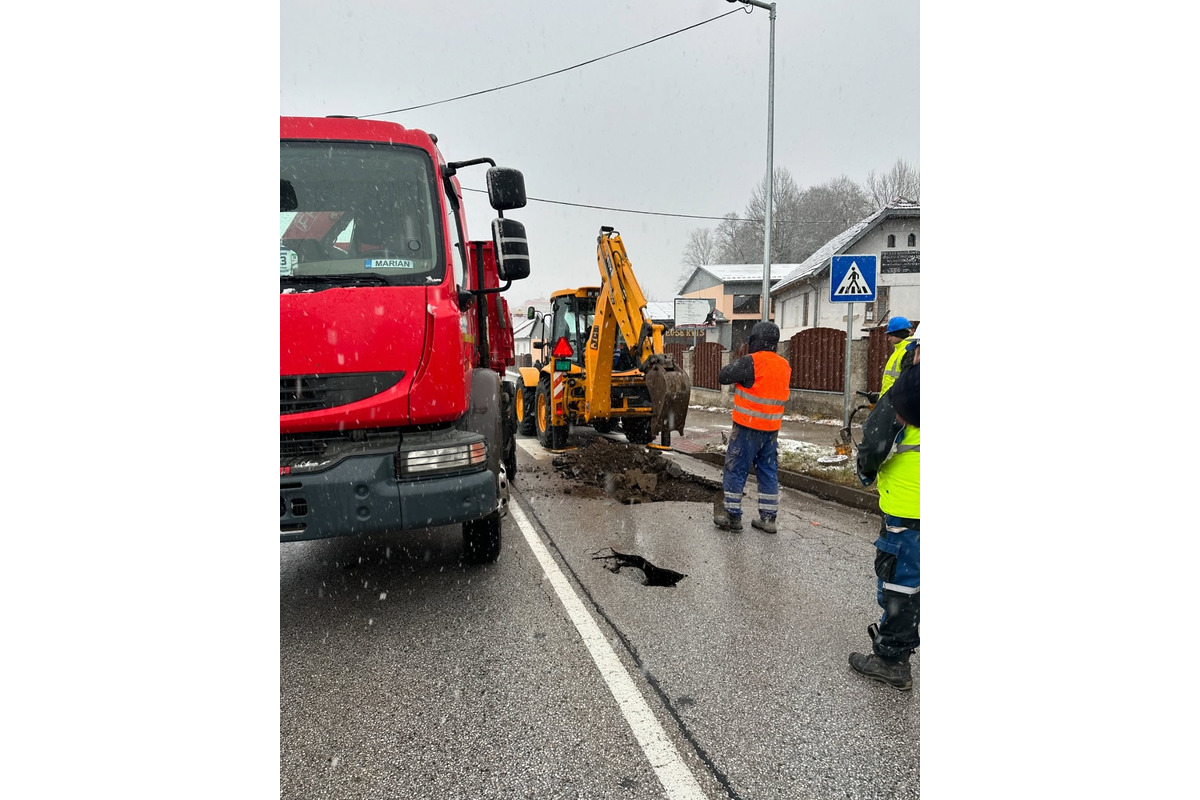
[[905, 292]]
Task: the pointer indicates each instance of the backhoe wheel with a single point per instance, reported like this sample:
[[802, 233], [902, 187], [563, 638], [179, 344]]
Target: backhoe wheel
[[526, 409], [551, 437], [637, 430], [603, 425], [481, 539]]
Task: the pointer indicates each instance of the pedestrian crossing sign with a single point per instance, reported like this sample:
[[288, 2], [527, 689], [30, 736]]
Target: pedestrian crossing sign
[[852, 279]]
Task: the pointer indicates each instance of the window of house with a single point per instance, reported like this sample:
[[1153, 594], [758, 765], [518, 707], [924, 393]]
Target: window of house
[[806, 309], [891, 240], [912, 240], [746, 303], [879, 309]]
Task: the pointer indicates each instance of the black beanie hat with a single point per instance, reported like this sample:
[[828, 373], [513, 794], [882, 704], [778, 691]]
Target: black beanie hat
[[906, 395]]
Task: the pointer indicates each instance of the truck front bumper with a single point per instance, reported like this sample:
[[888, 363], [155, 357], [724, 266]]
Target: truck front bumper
[[362, 495]]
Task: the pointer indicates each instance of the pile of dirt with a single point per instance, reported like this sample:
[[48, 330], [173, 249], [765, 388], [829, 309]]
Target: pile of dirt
[[632, 474]]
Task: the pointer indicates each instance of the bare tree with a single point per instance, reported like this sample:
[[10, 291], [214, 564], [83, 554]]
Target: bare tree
[[700, 251], [802, 220], [785, 210], [826, 210], [701, 248], [901, 181], [736, 241]]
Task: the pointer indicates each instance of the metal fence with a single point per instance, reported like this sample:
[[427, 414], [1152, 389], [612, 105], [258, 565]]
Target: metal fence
[[818, 359], [706, 365]]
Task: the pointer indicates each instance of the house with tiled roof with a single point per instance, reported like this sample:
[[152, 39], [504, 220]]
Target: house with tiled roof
[[737, 292], [893, 233]]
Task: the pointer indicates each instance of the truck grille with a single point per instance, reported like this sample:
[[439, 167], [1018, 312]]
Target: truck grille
[[291, 449], [300, 393], [308, 452]]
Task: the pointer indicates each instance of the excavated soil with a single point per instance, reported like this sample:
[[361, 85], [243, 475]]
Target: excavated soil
[[630, 474]]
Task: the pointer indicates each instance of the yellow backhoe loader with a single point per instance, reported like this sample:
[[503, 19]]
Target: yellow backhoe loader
[[602, 362]]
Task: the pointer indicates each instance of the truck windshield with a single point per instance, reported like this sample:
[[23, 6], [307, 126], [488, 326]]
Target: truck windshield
[[349, 209]]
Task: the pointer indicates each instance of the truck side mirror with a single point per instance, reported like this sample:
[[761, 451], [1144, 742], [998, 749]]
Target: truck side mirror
[[506, 188], [531, 313], [512, 249]]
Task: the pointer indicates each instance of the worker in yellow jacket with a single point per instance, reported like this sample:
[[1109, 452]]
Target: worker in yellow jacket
[[899, 331], [895, 435]]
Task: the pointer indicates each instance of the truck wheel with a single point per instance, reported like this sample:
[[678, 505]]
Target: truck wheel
[[637, 430], [551, 437], [526, 405], [603, 425], [481, 539]]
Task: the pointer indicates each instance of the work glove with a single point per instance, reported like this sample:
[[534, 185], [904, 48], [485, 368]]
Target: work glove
[[864, 479]]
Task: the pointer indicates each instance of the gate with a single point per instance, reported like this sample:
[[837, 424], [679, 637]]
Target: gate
[[706, 365], [818, 359]]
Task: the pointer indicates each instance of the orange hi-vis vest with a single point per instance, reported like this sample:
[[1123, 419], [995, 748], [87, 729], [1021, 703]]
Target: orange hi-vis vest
[[761, 406]]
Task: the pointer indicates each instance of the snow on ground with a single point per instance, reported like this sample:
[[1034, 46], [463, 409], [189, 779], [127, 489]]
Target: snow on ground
[[803, 448], [794, 454]]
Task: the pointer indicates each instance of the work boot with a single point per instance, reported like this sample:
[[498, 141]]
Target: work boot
[[896, 674], [726, 521], [765, 524]]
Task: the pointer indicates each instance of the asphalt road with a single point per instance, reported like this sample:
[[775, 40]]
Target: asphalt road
[[404, 673]]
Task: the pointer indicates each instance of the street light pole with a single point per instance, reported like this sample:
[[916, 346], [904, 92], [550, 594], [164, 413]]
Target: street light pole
[[766, 281]]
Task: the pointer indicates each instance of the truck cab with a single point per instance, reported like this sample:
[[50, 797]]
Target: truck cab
[[391, 415]]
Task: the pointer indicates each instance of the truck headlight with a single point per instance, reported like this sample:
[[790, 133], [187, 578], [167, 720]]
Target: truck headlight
[[450, 458]]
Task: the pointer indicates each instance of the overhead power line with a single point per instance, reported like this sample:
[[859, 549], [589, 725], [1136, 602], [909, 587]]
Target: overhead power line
[[549, 74], [666, 214]]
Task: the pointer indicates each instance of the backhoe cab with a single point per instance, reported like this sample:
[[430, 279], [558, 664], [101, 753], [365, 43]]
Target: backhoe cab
[[602, 362]]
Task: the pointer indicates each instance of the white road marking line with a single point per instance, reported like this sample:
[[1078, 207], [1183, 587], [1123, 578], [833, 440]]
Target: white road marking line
[[674, 775], [532, 447]]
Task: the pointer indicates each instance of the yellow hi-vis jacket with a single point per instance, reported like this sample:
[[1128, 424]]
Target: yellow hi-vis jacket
[[900, 477], [761, 406], [891, 370]]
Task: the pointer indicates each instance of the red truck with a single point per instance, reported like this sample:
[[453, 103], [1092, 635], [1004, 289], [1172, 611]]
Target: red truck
[[394, 410]]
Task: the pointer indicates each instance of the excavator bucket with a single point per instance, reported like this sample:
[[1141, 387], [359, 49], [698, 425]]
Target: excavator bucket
[[670, 392]]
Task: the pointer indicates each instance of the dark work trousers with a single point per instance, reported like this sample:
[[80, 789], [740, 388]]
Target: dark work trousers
[[898, 568], [758, 449]]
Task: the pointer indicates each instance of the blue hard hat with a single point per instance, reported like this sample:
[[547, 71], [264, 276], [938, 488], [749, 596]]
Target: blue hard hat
[[898, 324]]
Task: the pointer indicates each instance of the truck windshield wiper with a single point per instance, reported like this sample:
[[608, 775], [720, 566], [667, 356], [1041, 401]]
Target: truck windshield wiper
[[329, 281]]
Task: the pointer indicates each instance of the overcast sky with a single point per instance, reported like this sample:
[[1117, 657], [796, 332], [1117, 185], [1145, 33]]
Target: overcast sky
[[678, 126]]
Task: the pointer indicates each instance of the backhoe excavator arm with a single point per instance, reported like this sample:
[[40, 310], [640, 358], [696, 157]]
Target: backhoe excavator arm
[[622, 300], [620, 312]]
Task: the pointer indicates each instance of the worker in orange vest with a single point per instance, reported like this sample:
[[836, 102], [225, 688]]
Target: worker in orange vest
[[761, 382]]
